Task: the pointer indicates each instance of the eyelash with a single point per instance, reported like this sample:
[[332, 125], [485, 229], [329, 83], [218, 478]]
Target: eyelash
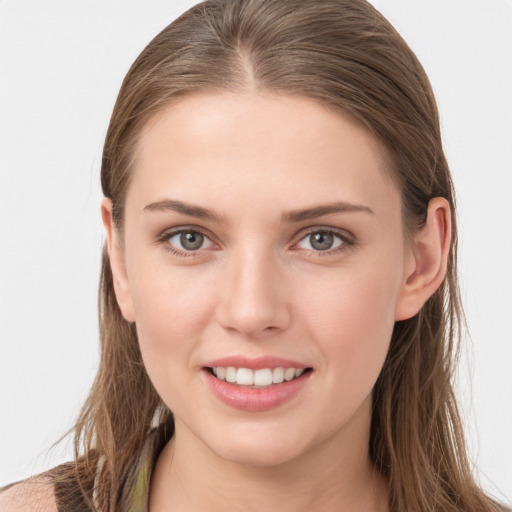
[[166, 235], [346, 241]]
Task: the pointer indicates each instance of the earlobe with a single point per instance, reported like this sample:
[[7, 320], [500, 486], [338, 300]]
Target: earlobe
[[429, 253], [117, 262]]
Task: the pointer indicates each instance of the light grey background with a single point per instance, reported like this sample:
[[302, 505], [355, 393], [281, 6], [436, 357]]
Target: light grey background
[[61, 64]]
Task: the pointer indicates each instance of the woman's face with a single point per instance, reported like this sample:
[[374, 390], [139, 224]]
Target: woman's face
[[262, 232]]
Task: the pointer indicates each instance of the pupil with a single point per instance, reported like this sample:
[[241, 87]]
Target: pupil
[[191, 241], [322, 241]]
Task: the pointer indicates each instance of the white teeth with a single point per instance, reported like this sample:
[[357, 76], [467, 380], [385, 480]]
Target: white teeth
[[259, 378], [244, 377], [289, 373], [230, 374], [263, 377], [278, 375]]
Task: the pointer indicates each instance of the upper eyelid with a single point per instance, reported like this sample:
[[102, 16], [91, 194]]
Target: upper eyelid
[[342, 233], [166, 233]]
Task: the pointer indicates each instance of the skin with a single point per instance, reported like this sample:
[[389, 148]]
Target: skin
[[258, 287], [35, 493]]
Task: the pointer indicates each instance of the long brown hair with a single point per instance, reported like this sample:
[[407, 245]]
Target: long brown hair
[[344, 54]]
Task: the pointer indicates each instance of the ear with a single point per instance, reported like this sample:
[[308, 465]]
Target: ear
[[117, 262], [428, 259]]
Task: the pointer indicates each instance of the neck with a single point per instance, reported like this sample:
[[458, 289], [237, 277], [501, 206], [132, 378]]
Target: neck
[[189, 476]]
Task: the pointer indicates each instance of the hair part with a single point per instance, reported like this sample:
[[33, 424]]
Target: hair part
[[345, 55]]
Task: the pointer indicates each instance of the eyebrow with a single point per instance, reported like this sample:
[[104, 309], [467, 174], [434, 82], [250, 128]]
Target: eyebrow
[[185, 209], [287, 217], [320, 211]]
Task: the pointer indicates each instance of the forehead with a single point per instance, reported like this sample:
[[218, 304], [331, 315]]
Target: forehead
[[257, 146]]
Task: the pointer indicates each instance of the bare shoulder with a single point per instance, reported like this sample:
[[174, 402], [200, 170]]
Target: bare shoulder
[[32, 495]]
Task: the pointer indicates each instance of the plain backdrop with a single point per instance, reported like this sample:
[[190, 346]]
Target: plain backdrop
[[61, 65]]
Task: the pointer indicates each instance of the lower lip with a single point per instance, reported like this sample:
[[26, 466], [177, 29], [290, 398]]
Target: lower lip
[[255, 399]]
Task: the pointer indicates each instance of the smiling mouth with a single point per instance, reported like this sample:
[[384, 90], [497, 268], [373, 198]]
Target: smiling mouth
[[262, 378]]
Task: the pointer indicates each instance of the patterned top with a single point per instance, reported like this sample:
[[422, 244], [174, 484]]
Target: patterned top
[[135, 494]]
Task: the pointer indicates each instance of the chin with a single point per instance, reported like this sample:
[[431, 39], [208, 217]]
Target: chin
[[256, 445], [259, 455]]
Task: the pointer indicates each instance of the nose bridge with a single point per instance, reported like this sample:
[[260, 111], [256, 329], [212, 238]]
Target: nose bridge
[[253, 299]]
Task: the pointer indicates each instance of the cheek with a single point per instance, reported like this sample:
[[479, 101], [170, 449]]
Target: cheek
[[171, 310], [352, 325], [168, 302]]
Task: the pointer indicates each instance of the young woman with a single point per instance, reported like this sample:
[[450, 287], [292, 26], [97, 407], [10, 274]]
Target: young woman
[[279, 304]]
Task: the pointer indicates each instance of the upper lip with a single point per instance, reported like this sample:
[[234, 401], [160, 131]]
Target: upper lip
[[255, 363]]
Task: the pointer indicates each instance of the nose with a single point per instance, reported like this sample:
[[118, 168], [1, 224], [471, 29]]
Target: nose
[[253, 295]]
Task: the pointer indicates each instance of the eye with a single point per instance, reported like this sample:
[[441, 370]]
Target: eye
[[186, 241], [322, 240]]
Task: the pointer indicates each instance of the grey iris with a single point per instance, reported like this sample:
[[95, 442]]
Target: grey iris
[[191, 240], [322, 241]]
